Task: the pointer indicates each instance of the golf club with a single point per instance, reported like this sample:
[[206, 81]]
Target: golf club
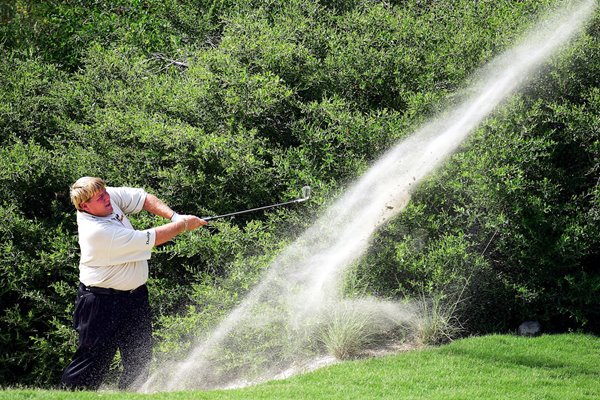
[[306, 191]]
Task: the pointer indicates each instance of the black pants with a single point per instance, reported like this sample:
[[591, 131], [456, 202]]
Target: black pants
[[108, 320]]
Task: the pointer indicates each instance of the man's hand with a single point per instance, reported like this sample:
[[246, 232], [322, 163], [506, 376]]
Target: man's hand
[[192, 222]]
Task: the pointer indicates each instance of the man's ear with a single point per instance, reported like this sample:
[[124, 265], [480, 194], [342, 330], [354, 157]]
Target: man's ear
[[84, 206]]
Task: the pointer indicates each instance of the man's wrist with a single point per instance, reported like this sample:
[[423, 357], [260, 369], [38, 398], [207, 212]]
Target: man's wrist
[[185, 224], [176, 217]]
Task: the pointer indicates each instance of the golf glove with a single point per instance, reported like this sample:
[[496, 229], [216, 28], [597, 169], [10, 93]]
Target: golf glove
[[176, 217]]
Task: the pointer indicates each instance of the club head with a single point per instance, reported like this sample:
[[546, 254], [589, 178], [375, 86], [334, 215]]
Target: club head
[[306, 191]]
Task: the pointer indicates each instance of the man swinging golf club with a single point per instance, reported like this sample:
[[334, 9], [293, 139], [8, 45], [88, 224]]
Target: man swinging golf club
[[112, 309]]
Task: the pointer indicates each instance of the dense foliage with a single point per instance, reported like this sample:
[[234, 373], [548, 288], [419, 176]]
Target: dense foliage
[[217, 106]]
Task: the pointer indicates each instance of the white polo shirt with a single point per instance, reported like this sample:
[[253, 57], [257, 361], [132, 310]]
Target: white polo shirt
[[113, 254]]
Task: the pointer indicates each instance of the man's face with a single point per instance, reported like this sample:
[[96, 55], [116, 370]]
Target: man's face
[[99, 205]]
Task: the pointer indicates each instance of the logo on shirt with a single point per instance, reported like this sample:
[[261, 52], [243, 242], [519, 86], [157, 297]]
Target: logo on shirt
[[147, 237]]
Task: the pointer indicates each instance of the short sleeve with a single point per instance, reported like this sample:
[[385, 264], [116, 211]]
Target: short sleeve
[[129, 245], [130, 200]]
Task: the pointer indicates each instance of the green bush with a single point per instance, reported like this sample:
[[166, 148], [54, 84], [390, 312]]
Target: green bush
[[64, 30]]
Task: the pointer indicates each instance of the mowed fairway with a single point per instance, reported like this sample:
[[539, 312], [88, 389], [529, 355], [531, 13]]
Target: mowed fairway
[[491, 367]]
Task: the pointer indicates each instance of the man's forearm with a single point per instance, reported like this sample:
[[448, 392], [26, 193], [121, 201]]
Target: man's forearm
[[154, 205], [166, 232]]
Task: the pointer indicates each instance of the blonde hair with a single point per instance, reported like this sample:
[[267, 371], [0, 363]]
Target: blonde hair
[[84, 189]]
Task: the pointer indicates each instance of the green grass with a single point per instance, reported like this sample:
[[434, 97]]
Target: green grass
[[490, 367]]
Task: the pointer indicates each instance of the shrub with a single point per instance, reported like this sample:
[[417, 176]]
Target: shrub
[[347, 333], [438, 318]]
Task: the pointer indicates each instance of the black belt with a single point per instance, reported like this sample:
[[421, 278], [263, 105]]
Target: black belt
[[101, 290]]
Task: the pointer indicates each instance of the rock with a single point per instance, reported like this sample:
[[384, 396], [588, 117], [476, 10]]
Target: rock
[[529, 328]]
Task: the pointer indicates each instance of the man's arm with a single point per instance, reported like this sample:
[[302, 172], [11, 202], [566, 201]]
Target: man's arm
[[166, 232], [154, 205]]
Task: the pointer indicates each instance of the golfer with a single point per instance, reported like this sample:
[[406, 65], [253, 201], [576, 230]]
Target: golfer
[[112, 309]]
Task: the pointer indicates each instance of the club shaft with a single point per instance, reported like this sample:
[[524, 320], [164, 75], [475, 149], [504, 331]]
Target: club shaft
[[254, 209]]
